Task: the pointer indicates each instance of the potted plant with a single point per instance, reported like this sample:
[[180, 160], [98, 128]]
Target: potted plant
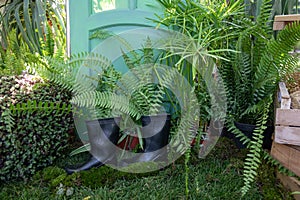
[[140, 101], [249, 59], [142, 95], [251, 78], [103, 128], [252, 75]]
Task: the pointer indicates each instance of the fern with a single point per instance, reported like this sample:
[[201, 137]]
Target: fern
[[48, 44], [106, 100], [46, 107], [251, 78], [253, 159], [76, 75], [14, 57], [273, 65], [139, 85]]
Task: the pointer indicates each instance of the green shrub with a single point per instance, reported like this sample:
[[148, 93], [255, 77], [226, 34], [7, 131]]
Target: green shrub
[[37, 137]]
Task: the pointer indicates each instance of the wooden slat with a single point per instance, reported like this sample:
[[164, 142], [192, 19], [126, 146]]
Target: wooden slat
[[285, 103], [287, 135], [280, 21], [278, 26], [288, 156], [291, 183], [287, 117], [287, 18], [283, 91], [284, 96]]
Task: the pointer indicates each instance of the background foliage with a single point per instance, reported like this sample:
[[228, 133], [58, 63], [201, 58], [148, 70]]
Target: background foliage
[[38, 23], [37, 136]]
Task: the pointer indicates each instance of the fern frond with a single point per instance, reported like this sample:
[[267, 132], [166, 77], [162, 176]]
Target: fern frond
[[253, 159], [46, 107], [77, 75], [276, 61], [109, 100]]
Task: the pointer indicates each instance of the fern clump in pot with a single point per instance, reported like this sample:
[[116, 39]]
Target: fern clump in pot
[[251, 78], [103, 127], [145, 95]]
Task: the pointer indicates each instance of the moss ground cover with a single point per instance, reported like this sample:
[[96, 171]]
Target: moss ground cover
[[219, 176]]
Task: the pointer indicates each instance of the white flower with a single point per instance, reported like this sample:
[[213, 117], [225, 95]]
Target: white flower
[[70, 191]]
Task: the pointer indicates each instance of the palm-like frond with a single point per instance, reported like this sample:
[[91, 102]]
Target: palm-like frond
[[30, 19]]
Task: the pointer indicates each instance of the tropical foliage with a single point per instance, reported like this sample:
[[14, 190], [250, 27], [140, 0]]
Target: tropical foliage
[[251, 79], [208, 28], [38, 23], [249, 59], [232, 36]]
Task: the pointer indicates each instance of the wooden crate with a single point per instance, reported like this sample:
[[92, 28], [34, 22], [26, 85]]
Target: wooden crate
[[286, 145], [287, 122]]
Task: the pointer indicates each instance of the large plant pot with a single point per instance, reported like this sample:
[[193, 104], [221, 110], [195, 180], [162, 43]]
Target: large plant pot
[[248, 129]]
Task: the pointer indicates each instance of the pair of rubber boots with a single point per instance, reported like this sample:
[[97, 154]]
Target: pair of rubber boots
[[104, 134]]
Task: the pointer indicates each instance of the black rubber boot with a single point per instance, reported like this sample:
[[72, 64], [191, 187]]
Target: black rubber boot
[[155, 131], [103, 136]]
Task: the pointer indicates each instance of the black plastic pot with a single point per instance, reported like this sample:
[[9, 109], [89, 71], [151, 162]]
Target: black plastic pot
[[248, 129]]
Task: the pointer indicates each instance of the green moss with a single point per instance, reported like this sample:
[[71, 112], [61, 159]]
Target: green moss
[[99, 177], [269, 185]]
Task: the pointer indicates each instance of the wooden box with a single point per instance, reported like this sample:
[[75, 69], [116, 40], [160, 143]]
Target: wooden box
[[286, 145]]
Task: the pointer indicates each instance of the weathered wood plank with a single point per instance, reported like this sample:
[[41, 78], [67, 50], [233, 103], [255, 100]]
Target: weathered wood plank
[[287, 135], [287, 117], [288, 156], [285, 103], [284, 96], [287, 18], [291, 183], [280, 21], [283, 91], [278, 26]]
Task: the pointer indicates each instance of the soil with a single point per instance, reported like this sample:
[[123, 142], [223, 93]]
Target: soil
[[295, 100], [293, 82], [293, 86]]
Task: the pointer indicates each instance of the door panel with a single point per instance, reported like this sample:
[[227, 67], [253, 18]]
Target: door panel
[[103, 5], [85, 16]]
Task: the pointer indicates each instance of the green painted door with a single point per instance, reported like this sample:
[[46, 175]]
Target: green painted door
[[86, 16]]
